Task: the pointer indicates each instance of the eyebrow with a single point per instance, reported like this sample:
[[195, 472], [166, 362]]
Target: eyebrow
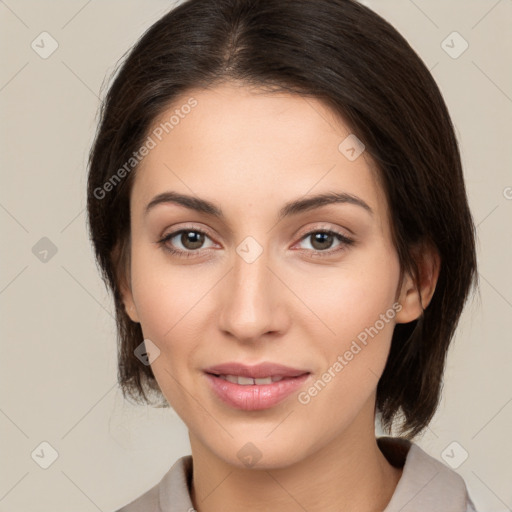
[[291, 208]]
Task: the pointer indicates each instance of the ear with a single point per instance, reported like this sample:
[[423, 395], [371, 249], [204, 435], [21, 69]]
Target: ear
[[414, 296], [129, 304], [121, 263]]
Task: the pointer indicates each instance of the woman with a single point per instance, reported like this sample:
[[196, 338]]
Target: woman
[[277, 203]]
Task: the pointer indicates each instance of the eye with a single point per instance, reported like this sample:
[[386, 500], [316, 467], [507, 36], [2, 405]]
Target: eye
[[323, 239], [191, 241]]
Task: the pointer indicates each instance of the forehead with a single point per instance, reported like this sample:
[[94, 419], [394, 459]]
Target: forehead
[[237, 143]]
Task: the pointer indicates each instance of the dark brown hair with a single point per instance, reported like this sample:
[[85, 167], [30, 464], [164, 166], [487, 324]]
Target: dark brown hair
[[349, 57]]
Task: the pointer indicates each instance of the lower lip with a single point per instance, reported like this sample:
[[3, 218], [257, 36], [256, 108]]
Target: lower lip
[[255, 397]]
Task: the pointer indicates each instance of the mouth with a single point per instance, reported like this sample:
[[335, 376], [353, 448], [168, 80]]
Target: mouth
[[259, 371], [257, 387], [248, 381]]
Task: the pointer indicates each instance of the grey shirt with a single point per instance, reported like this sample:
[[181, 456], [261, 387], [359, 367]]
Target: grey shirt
[[426, 485]]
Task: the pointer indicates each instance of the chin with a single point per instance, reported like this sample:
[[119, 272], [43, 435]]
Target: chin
[[261, 452]]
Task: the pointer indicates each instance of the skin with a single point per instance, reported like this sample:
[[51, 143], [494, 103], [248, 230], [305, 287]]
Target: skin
[[250, 152]]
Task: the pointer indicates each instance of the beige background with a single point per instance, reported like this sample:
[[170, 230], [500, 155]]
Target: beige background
[[58, 363]]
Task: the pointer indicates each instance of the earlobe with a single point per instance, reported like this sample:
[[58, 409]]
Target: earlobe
[[415, 296], [121, 263], [129, 304], [131, 311]]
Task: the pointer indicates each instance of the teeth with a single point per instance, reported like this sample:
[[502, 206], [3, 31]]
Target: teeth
[[245, 381], [248, 381], [266, 380]]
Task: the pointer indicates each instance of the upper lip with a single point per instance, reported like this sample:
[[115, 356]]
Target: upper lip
[[258, 371]]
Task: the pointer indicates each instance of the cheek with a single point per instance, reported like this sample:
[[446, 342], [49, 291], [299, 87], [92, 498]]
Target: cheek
[[169, 308], [162, 296], [356, 303], [173, 306], [352, 297]]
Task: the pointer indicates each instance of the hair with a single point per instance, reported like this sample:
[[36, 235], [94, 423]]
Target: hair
[[347, 56]]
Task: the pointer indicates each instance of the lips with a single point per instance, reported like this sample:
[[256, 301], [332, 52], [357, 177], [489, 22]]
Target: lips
[[254, 387]]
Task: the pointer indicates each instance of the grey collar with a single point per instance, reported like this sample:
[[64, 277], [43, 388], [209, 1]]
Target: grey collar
[[426, 484]]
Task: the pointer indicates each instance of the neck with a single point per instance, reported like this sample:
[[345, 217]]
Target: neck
[[348, 474]]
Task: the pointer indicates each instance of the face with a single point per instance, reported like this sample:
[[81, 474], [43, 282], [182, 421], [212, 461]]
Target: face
[[312, 287]]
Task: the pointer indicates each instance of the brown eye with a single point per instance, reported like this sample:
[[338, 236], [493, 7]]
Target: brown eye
[[192, 239], [321, 240], [185, 242]]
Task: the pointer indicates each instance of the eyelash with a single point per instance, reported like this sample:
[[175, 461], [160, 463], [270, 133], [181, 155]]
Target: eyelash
[[345, 242]]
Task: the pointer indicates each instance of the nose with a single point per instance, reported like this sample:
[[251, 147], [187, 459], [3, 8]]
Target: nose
[[252, 301]]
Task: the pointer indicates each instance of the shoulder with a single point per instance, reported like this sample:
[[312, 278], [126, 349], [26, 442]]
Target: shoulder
[[147, 502], [426, 483], [172, 492]]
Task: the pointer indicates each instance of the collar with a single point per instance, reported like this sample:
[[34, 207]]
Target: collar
[[425, 485]]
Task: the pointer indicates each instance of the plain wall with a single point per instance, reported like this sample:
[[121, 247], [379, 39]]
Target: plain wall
[[58, 363]]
